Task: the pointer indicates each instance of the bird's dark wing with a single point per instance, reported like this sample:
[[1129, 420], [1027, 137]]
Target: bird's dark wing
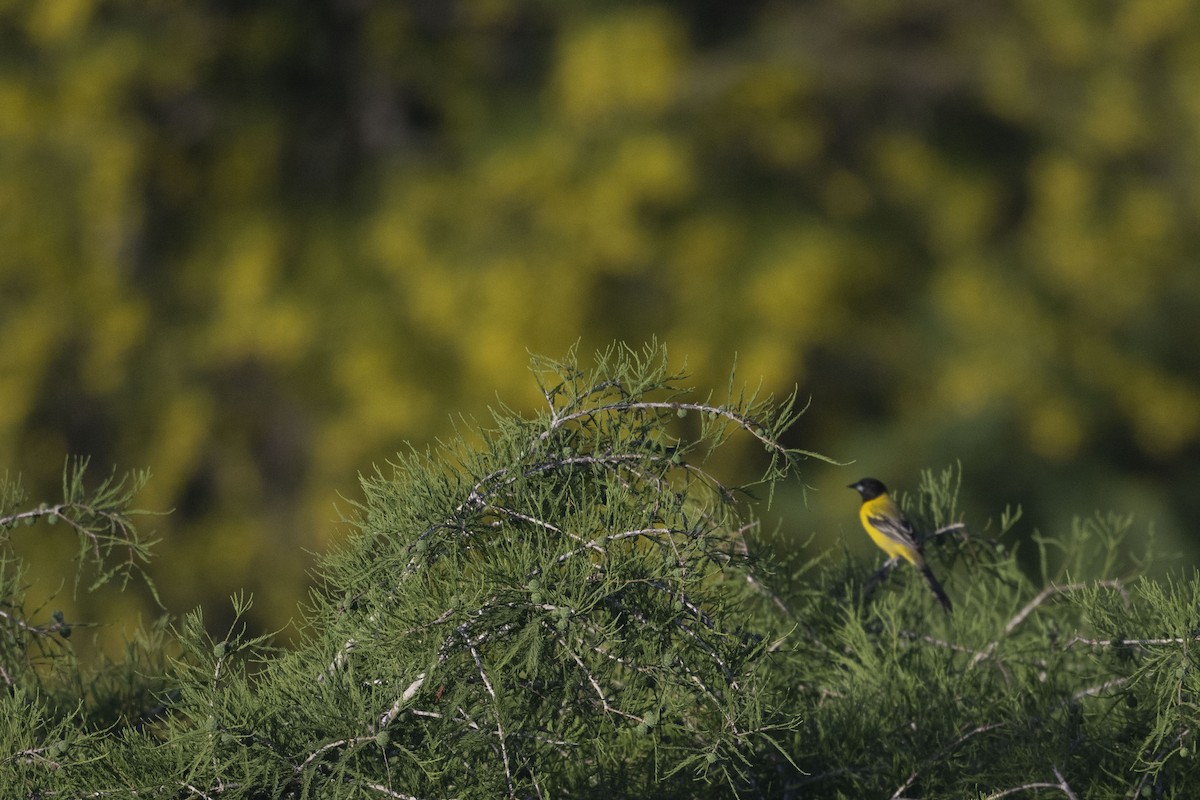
[[896, 528]]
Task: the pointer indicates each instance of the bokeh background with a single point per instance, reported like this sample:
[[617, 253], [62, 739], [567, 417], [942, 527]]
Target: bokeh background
[[258, 247]]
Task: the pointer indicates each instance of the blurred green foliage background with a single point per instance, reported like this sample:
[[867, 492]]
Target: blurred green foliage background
[[259, 246]]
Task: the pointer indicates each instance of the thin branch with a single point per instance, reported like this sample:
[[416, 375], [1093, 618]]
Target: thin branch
[[751, 426], [596, 685], [1062, 782], [487, 683], [1061, 785], [1041, 597], [36, 630], [899, 793], [957, 648], [390, 716], [1095, 691], [383, 790], [1083, 640], [352, 741]]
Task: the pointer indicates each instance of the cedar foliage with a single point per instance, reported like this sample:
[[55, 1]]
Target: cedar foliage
[[568, 605]]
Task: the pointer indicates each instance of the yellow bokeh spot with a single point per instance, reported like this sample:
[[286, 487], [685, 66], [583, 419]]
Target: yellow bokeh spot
[[1143, 22], [254, 315], [21, 115], [1061, 231], [1007, 77], [961, 206], [184, 427], [1115, 118], [768, 363], [963, 386], [1146, 217], [248, 270], [655, 167], [1002, 336], [54, 21], [964, 210], [1063, 189], [626, 63], [385, 400], [1064, 29], [704, 246], [1054, 430], [395, 243], [1166, 416], [792, 294], [30, 336], [120, 327], [769, 107], [907, 165]]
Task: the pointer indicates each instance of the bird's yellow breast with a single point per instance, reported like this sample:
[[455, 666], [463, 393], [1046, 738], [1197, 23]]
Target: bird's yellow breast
[[884, 506]]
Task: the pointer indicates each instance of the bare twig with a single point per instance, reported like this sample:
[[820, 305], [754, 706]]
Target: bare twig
[[899, 793], [390, 716], [1061, 785], [1041, 597], [1083, 640], [487, 683]]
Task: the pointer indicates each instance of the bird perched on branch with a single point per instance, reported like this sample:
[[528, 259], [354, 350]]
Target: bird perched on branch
[[891, 530]]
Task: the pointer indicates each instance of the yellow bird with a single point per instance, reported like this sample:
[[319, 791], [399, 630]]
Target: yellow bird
[[891, 530]]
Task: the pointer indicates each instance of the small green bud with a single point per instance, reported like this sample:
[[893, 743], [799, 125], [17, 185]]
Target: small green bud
[[681, 412], [383, 738], [219, 650]]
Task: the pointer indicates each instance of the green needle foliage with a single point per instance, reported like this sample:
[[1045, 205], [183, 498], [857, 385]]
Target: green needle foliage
[[565, 605], [35, 652], [1076, 681], [569, 608]]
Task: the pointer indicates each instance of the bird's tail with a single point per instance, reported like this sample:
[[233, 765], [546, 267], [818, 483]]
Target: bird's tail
[[936, 587]]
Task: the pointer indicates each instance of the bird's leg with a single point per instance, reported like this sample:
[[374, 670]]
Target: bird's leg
[[881, 573]]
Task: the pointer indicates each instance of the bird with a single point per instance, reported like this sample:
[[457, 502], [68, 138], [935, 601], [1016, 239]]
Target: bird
[[890, 529]]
